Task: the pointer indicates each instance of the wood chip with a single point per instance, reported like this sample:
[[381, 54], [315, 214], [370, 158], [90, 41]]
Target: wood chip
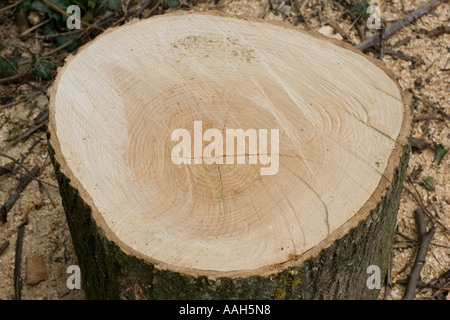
[[36, 270]]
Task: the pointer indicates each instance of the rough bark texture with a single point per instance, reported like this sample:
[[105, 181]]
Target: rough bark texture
[[338, 272]]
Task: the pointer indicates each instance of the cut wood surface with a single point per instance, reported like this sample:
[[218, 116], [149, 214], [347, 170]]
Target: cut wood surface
[[343, 128]]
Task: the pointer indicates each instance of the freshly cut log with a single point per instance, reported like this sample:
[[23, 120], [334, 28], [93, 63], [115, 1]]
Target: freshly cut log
[[213, 157]]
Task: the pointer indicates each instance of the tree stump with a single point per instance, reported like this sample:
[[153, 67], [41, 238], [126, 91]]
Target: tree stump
[[203, 156]]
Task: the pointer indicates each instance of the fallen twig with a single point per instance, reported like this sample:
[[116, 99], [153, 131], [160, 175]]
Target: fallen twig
[[137, 10], [3, 247], [20, 73], [422, 206], [436, 32], [146, 4], [427, 102], [388, 281], [441, 283], [421, 222], [404, 236], [26, 100], [424, 285], [26, 32], [23, 183], [28, 171], [11, 6], [425, 240], [420, 144], [401, 42], [305, 2], [18, 260], [64, 45], [7, 168], [26, 154], [382, 40], [30, 131], [401, 55], [408, 19], [18, 256], [38, 122], [12, 79], [56, 35], [55, 7], [425, 117], [339, 30]]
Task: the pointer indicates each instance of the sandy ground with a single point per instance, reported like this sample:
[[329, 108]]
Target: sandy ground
[[46, 233]]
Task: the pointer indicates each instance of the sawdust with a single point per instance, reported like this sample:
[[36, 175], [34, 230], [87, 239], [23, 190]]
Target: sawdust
[[47, 234]]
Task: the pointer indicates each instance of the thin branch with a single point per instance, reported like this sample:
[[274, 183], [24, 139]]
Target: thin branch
[[421, 223], [23, 183], [428, 103], [354, 22], [339, 30], [404, 236], [388, 275], [11, 6], [408, 19], [401, 42], [28, 171], [30, 149], [305, 2], [64, 45], [8, 168], [425, 117], [18, 260], [55, 7], [26, 32], [424, 209], [382, 41], [13, 78], [26, 100], [56, 35], [38, 122], [73, 32], [145, 5], [424, 285], [3, 247], [400, 55], [20, 73], [413, 279]]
